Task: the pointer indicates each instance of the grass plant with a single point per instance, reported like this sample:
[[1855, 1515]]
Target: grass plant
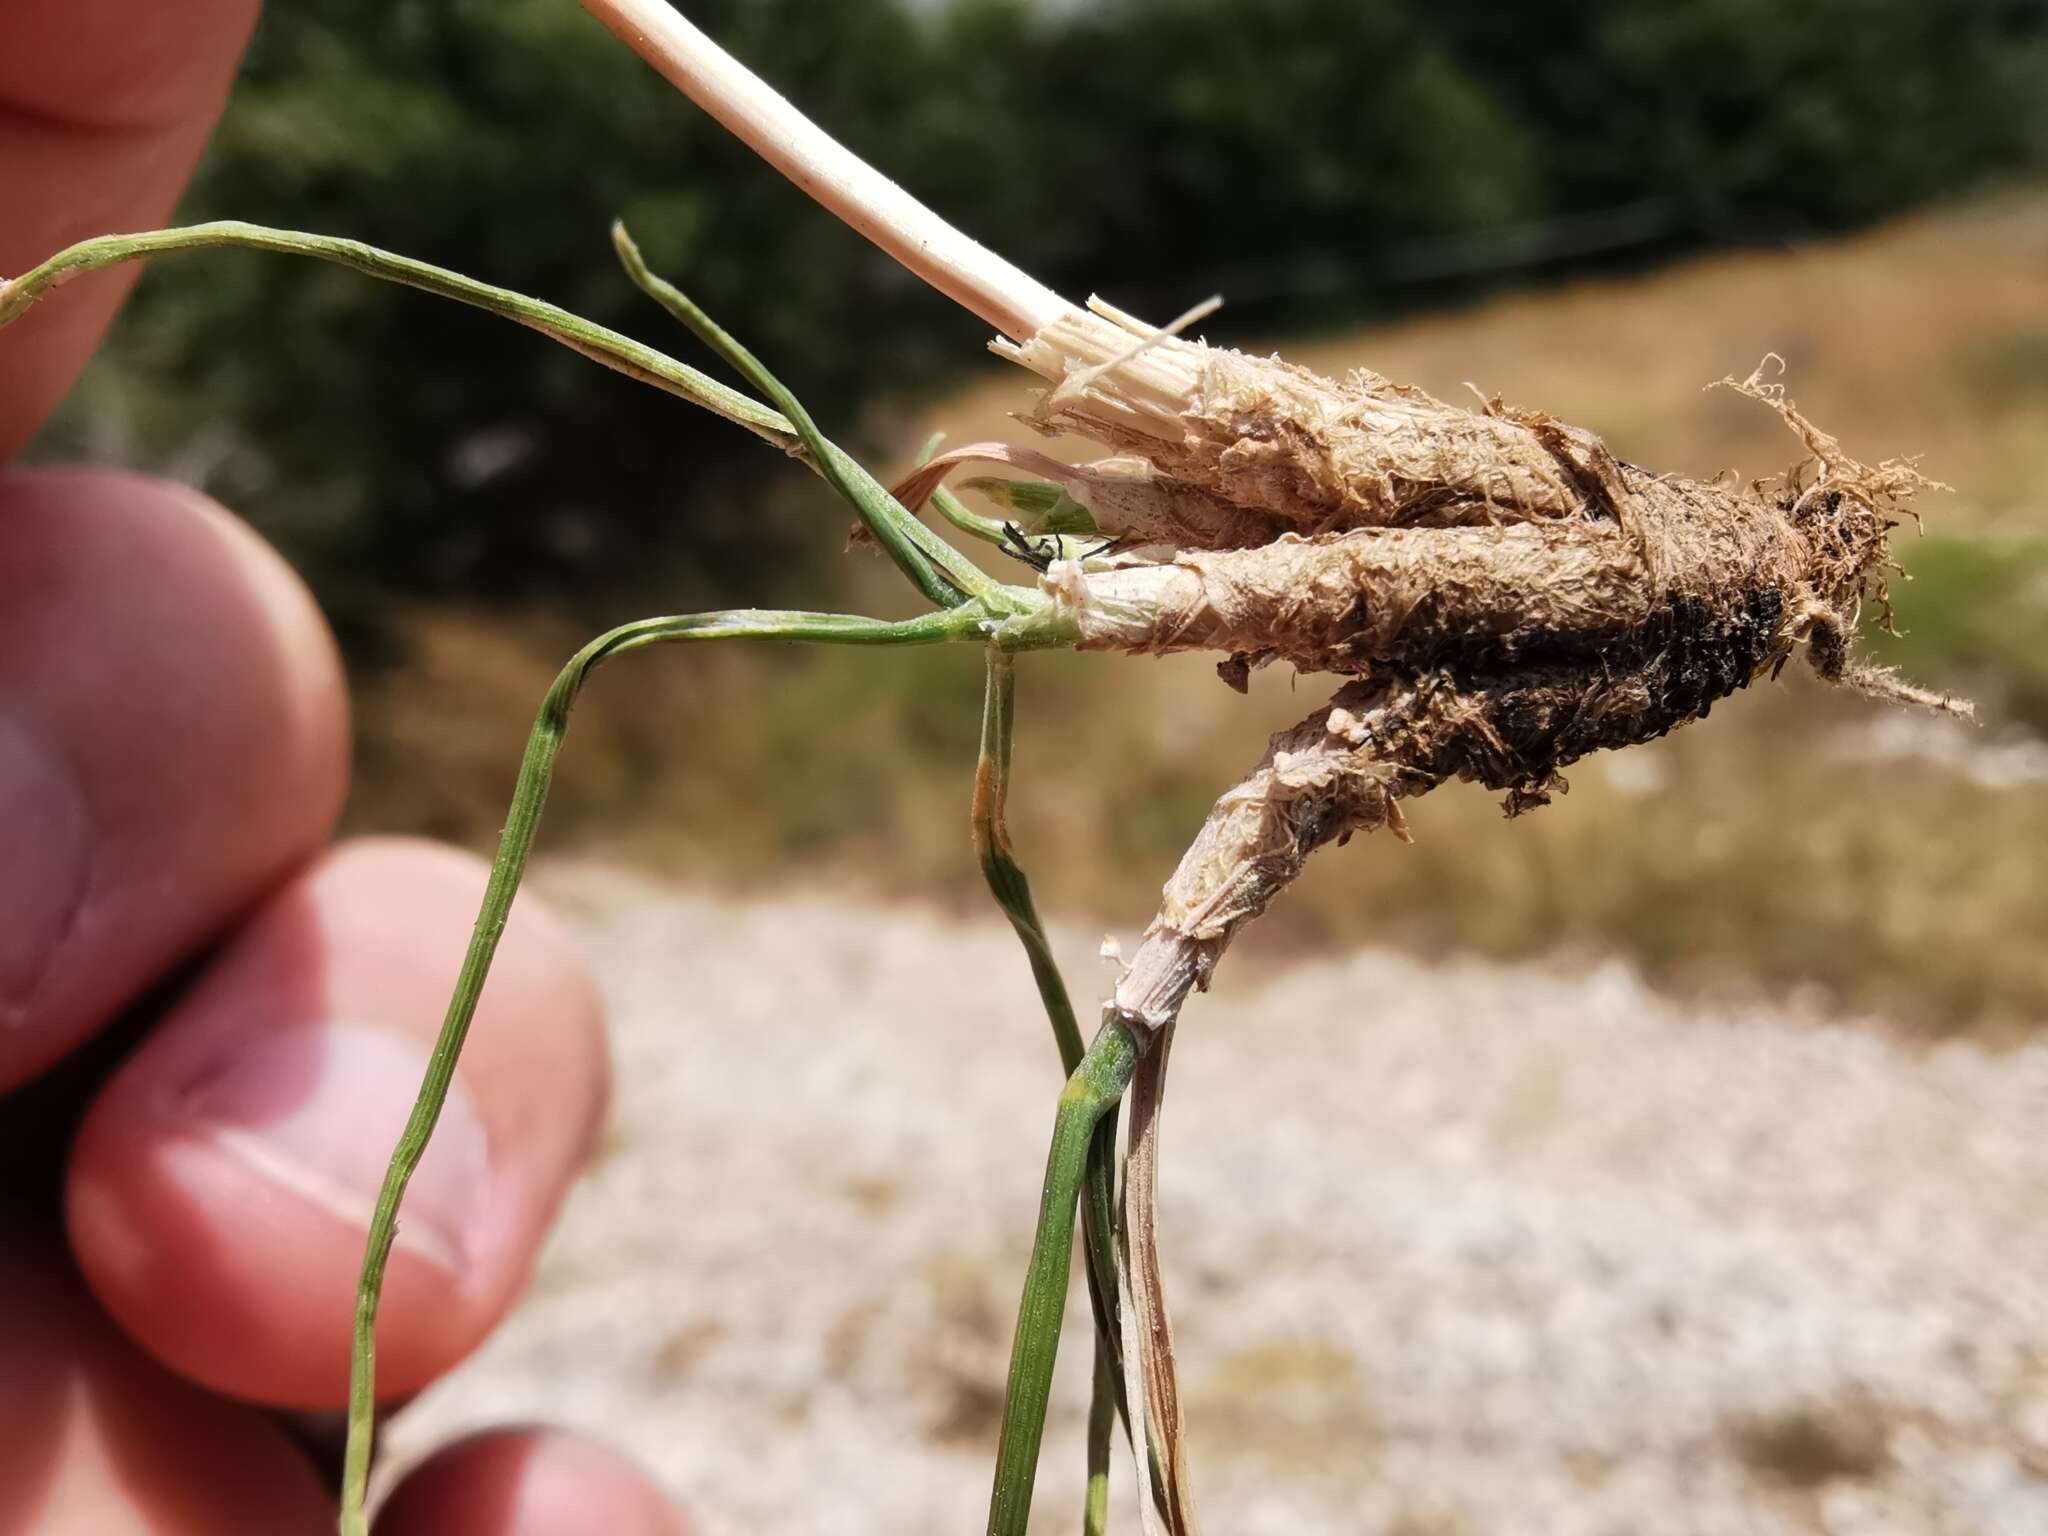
[[1497, 594]]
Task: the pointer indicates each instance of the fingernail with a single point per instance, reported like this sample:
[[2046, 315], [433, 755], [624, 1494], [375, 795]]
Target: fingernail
[[315, 1110], [45, 864]]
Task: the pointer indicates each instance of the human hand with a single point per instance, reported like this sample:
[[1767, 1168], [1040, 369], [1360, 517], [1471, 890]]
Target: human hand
[[232, 1016]]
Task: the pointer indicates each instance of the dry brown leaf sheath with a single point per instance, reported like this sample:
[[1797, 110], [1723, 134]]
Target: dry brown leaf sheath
[[1505, 593], [1150, 1359]]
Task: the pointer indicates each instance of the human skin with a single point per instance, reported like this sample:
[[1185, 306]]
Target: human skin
[[212, 1020]]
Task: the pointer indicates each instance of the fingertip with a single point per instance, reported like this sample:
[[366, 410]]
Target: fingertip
[[96, 1438], [527, 1482], [221, 1187], [173, 739], [104, 107]]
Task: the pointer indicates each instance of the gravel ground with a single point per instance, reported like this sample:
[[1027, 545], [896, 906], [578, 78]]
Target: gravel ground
[[1453, 1250]]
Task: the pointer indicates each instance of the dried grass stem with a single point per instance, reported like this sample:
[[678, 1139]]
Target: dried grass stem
[[965, 271]]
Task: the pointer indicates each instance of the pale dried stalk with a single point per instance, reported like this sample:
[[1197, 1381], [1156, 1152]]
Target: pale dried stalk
[[1146, 1322], [967, 272]]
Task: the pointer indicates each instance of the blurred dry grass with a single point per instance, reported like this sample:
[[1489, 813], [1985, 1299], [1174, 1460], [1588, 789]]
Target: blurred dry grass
[[1797, 840]]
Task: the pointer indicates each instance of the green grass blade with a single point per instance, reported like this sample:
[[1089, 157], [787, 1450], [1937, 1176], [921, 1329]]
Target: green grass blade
[[1091, 1092], [950, 507], [988, 530], [939, 571], [1011, 888], [1038, 506], [1103, 1398], [528, 797], [620, 353], [1006, 880]]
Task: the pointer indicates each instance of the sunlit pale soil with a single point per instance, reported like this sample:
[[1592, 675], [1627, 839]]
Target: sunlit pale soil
[[1452, 1251]]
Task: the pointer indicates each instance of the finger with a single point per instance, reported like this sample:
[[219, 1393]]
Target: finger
[[98, 1440], [173, 740], [527, 1482], [221, 1185], [104, 107]]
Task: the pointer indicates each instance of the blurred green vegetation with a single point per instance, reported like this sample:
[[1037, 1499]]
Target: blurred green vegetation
[[1979, 620], [1317, 160]]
